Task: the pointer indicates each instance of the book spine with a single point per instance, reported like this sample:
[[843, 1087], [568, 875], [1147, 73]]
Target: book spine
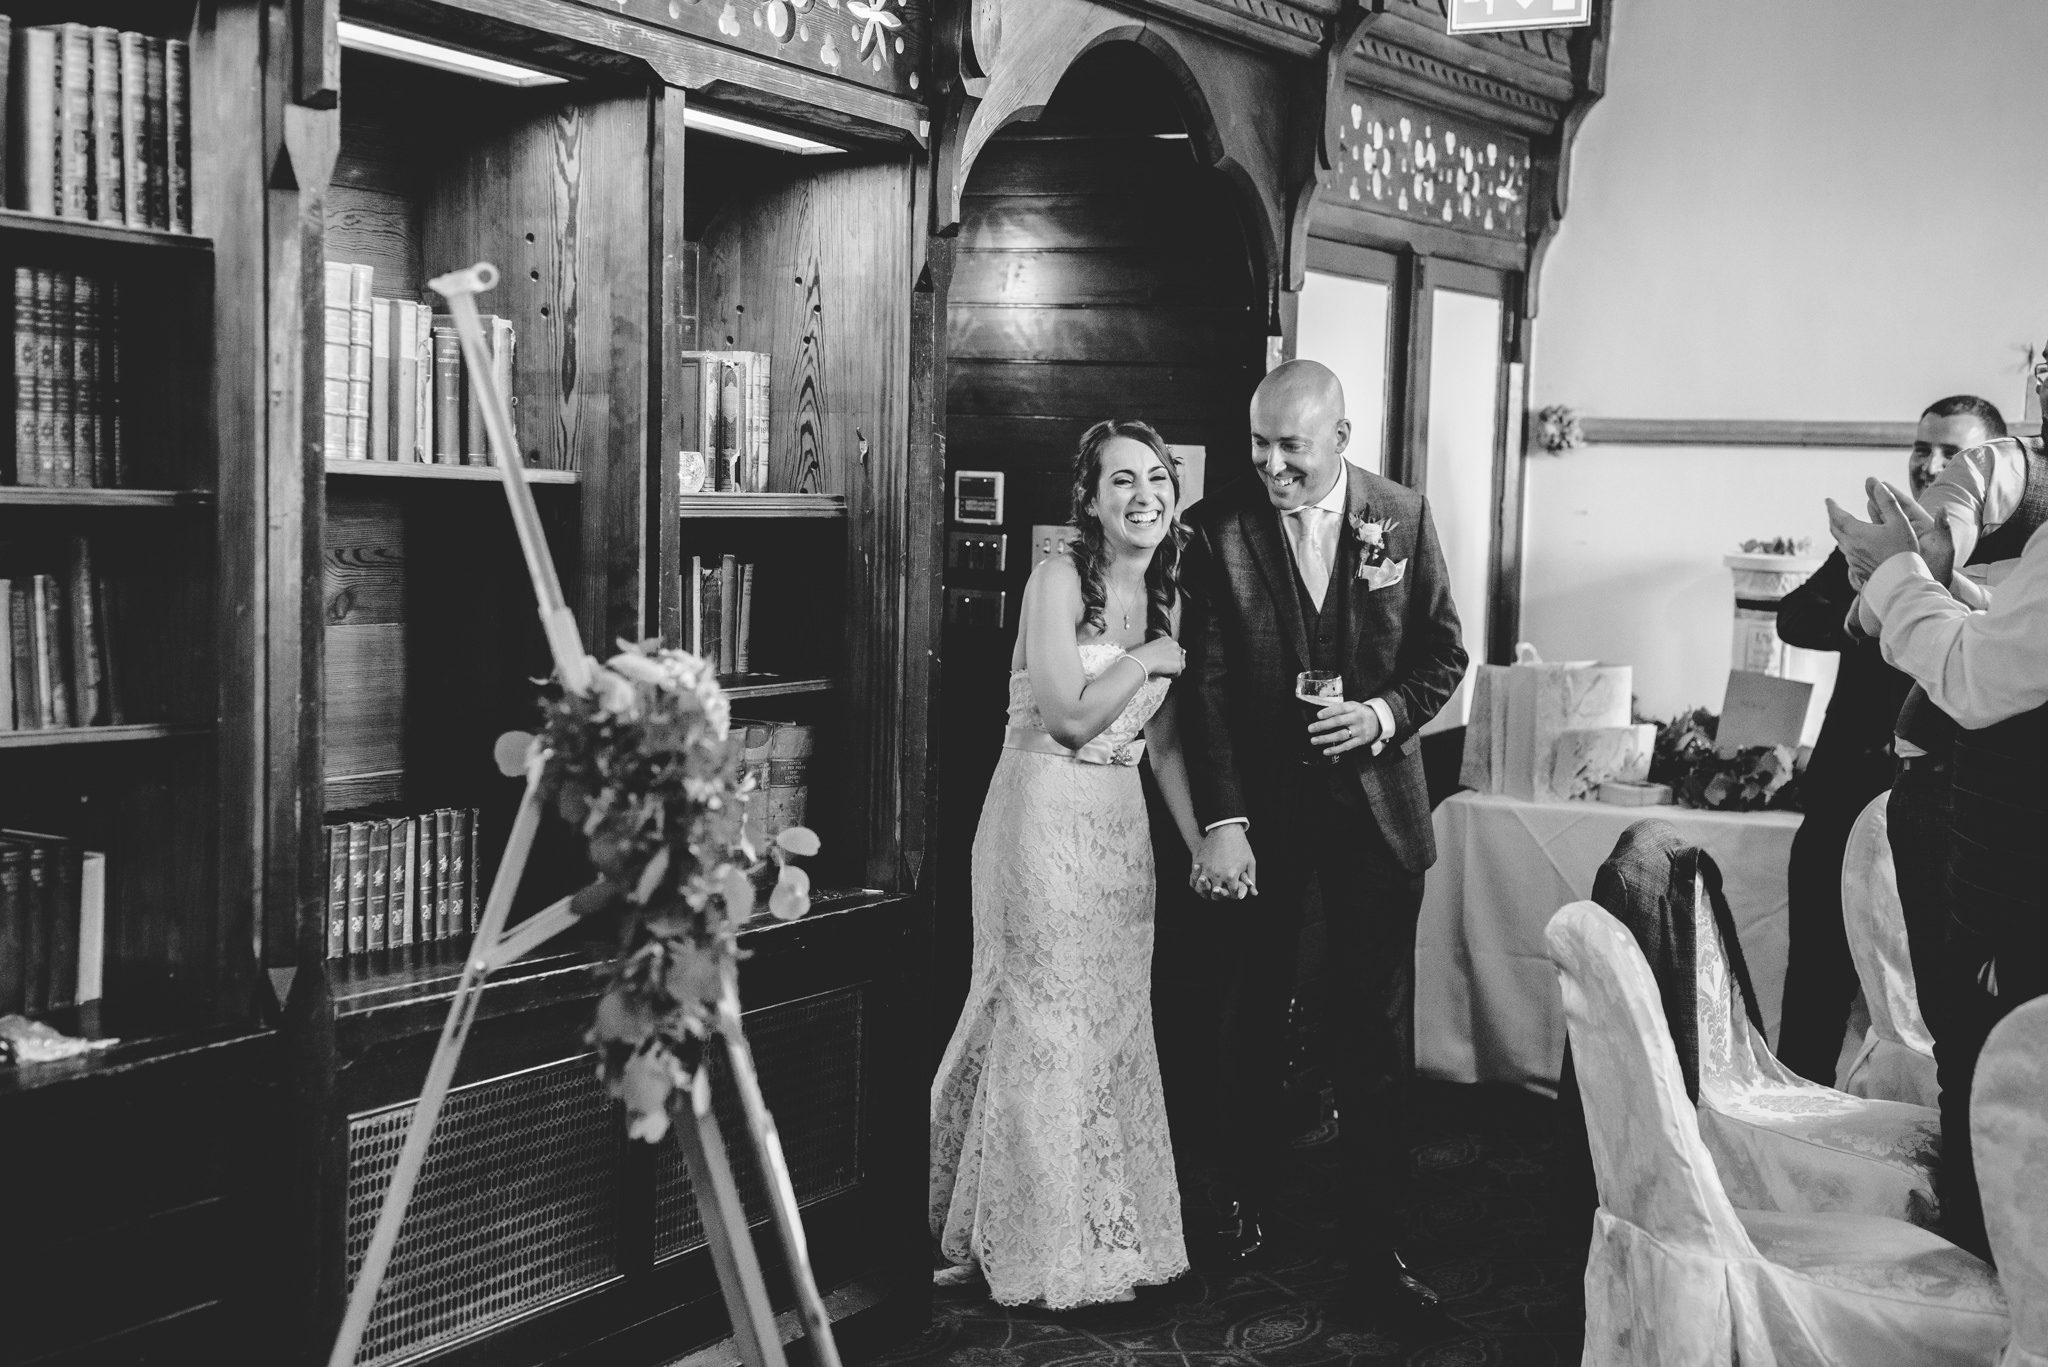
[[27, 467], [36, 931], [380, 379], [112, 445], [158, 168], [714, 605], [404, 844], [504, 349], [423, 383], [28, 701], [63, 924], [34, 154], [85, 654], [361, 360], [334, 385], [337, 891], [458, 869], [92, 924], [693, 607], [477, 890], [10, 80], [358, 886], [447, 395], [444, 906], [85, 380], [757, 423], [74, 121], [178, 134], [109, 202], [134, 130], [49, 637], [375, 934], [732, 391], [729, 614], [63, 376], [710, 384], [474, 439], [45, 383], [16, 917], [7, 719], [404, 369], [742, 653], [103, 638], [789, 777]]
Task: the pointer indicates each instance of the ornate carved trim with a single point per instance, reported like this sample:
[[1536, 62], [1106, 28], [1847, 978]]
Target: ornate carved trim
[[1424, 164], [1485, 96], [1538, 47], [1294, 27]]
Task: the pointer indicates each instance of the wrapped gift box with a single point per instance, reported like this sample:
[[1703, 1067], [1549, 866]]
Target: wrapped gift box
[[1584, 759]]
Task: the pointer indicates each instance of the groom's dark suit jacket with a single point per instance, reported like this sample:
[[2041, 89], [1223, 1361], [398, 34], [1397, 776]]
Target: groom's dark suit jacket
[[1247, 636]]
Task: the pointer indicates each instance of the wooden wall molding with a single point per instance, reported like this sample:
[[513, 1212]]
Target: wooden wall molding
[[1293, 28], [1765, 432], [1379, 62]]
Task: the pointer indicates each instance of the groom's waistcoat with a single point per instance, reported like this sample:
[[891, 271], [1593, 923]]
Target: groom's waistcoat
[[1325, 629]]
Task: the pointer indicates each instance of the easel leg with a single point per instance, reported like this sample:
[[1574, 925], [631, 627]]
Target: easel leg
[[781, 1191], [440, 1073], [725, 1230]]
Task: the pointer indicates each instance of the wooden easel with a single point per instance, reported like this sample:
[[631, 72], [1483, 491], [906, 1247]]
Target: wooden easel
[[718, 1198]]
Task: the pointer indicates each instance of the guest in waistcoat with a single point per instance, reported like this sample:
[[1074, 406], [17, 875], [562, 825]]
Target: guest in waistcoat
[[1852, 763], [1316, 565], [1987, 671]]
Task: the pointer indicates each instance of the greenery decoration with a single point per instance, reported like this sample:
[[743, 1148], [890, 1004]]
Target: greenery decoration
[[1755, 778], [1779, 545], [644, 766]]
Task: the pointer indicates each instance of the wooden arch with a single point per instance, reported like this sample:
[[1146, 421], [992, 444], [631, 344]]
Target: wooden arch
[[1026, 48]]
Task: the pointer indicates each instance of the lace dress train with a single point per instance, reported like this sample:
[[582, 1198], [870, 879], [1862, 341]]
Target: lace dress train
[[1051, 1165]]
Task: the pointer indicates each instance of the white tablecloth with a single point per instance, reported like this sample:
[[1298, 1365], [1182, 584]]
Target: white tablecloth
[[1487, 1007]]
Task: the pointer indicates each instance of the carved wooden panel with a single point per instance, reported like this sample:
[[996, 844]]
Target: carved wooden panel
[[1407, 159], [876, 43]]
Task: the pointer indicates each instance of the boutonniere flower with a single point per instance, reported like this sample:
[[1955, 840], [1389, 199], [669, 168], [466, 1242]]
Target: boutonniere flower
[[1372, 541]]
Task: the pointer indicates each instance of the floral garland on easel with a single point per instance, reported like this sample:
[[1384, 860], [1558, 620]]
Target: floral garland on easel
[[1755, 778]]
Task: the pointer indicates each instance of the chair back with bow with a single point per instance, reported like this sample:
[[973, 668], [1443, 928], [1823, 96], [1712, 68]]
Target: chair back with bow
[[2009, 1133], [1896, 1062]]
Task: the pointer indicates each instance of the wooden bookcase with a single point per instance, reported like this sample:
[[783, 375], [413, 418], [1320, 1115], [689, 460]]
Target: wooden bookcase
[[140, 1159], [622, 241]]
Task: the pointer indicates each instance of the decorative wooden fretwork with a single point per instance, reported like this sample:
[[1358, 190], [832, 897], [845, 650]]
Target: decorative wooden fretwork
[[1403, 158], [1509, 100], [876, 43]]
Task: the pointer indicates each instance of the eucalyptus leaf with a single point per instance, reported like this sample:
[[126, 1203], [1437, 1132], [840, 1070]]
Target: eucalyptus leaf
[[801, 841]]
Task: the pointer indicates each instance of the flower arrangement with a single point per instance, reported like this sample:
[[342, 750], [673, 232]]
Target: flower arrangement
[[1558, 430], [643, 765], [1778, 545], [1756, 778]]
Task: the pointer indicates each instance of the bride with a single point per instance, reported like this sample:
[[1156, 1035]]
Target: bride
[[1052, 1171]]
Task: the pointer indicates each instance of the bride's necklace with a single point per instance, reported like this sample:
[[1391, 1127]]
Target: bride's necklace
[[1122, 604]]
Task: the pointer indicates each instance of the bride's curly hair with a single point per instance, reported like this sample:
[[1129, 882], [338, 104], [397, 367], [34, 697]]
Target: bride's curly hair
[[1089, 553]]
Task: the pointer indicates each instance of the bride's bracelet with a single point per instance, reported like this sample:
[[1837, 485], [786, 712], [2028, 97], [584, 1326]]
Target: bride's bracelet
[[1141, 667]]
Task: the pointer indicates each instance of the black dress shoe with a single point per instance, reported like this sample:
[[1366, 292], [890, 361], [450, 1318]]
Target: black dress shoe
[[1385, 1295], [1239, 1233]]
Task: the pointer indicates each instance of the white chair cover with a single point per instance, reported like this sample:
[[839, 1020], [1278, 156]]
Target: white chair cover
[[1783, 1143], [1896, 1062], [1676, 1276], [2009, 1133]]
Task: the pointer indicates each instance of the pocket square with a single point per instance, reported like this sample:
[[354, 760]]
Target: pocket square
[[1384, 575]]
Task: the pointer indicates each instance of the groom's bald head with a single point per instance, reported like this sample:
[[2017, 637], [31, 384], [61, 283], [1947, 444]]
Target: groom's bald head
[[1298, 433]]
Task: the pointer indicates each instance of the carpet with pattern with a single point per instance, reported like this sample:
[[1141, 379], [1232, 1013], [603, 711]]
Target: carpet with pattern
[[1486, 1225]]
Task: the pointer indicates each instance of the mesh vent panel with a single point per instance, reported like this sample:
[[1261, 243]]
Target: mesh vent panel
[[809, 1056], [515, 1206]]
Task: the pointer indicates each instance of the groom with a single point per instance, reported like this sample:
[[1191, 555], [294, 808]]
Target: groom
[[1316, 565]]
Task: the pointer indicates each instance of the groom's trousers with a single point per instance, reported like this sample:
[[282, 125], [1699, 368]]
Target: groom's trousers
[[1323, 833]]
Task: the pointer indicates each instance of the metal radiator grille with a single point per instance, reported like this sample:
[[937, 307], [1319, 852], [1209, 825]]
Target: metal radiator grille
[[809, 1056], [515, 1206]]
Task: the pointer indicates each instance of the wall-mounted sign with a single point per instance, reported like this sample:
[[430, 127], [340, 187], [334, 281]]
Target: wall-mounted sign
[[978, 497], [1492, 16]]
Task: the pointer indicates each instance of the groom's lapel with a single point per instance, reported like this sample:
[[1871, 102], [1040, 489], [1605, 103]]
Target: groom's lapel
[[1262, 531], [1356, 598]]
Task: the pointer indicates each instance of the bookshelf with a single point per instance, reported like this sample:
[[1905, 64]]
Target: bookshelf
[[164, 786]]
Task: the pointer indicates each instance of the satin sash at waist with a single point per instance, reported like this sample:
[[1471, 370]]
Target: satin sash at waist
[[1097, 751]]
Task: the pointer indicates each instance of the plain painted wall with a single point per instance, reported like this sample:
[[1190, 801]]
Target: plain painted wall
[[1828, 210]]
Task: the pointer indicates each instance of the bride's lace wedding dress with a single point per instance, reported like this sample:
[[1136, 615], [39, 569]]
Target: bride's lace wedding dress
[[1051, 1165]]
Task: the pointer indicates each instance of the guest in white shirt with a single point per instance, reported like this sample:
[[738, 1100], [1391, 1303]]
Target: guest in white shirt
[[1988, 671]]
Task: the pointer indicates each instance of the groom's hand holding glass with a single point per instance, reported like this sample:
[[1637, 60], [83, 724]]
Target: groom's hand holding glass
[[1335, 724]]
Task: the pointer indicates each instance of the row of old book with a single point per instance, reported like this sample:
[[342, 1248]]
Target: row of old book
[[67, 380], [718, 612], [54, 621], [397, 387], [52, 922], [98, 125], [394, 881], [731, 434], [777, 755]]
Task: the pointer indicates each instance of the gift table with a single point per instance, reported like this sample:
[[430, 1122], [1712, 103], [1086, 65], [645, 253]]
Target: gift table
[[1486, 999]]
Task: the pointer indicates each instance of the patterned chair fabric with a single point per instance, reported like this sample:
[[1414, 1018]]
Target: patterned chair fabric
[[1896, 1062], [1786, 1144], [1677, 1276], [2009, 1133]]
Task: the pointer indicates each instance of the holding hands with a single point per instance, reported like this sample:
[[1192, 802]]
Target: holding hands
[[1225, 869]]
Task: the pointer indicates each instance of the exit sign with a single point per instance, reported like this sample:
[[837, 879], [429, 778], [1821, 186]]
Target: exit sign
[[1492, 16]]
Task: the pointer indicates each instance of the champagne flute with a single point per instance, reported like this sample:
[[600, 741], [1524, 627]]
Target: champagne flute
[[1316, 689]]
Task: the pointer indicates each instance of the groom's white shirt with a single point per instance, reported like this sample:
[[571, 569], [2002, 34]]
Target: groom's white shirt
[[1328, 532]]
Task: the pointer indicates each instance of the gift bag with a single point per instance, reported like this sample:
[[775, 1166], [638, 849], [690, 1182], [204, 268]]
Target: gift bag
[[1546, 700], [1486, 731]]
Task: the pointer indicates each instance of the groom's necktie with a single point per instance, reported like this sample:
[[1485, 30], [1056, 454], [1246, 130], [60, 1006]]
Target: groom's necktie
[[1303, 526]]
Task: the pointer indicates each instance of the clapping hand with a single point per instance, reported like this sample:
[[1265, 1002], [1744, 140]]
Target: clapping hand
[[1898, 524]]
